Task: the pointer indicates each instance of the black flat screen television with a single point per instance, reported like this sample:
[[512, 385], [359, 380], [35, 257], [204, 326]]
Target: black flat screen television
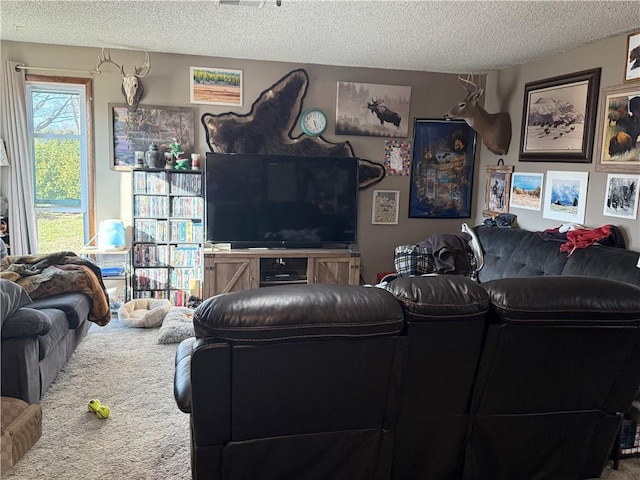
[[281, 201]]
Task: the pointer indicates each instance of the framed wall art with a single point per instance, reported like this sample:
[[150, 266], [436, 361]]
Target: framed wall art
[[558, 119], [372, 110], [442, 169], [565, 196], [617, 148], [135, 131], [621, 199], [526, 190], [216, 86], [497, 190], [385, 207], [397, 157], [632, 62]]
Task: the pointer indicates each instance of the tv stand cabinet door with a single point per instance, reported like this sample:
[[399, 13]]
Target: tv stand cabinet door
[[336, 271], [225, 274]]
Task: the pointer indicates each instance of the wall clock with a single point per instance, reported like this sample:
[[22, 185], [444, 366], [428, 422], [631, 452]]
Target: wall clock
[[313, 122]]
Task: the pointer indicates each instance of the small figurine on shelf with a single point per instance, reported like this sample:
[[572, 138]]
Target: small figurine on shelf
[[179, 160]]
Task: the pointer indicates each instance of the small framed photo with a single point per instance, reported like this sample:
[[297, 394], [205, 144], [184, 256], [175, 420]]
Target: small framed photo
[[216, 86], [496, 199], [565, 196], [558, 119], [526, 190], [385, 207], [397, 157], [632, 62], [621, 199]]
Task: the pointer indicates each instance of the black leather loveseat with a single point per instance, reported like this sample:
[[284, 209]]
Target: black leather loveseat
[[524, 375]]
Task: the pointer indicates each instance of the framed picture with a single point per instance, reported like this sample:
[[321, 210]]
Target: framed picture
[[617, 148], [526, 190], [497, 191], [632, 61], [397, 157], [135, 131], [385, 207], [565, 196], [442, 169], [216, 86], [621, 199], [372, 110], [558, 119]]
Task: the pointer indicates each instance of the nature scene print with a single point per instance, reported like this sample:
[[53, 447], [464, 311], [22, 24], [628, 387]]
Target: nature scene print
[[216, 86], [632, 67], [526, 191], [565, 196], [621, 199], [442, 169], [497, 190], [372, 110]]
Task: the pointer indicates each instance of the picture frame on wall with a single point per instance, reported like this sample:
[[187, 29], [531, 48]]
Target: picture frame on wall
[[558, 120], [397, 157], [135, 131], [526, 190], [385, 207], [216, 86], [442, 165], [565, 196], [621, 198], [618, 122], [497, 190], [632, 60]]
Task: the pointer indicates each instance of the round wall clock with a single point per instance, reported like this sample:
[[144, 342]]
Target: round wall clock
[[313, 122]]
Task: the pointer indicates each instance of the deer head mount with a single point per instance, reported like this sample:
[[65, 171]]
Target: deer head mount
[[131, 85], [494, 128]]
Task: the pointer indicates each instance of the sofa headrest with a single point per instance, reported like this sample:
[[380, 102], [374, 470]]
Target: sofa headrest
[[295, 312]]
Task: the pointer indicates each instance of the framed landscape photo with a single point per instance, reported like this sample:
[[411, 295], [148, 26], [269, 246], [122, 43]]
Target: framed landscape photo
[[565, 196], [632, 62], [441, 177], [135, 131], [385, 207], [497, 190], [617, 148], [558, 119], [216, 86], [526, 190], [621, 199]]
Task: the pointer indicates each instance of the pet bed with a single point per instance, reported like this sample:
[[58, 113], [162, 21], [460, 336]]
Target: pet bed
[[144, 312], [177, 325]]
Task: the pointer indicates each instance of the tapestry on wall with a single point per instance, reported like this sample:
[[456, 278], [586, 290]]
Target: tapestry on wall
[[267, 129]]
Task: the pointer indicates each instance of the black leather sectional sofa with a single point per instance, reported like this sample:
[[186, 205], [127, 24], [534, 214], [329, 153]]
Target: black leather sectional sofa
[[524, 375]]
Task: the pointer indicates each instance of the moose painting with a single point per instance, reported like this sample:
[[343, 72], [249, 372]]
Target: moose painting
[[373, 110]]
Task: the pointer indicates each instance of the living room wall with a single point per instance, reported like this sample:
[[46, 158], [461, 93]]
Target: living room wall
[[432, 95]]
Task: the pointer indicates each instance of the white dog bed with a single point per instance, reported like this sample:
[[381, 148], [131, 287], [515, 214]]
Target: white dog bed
[[144, 312], [177, 325]]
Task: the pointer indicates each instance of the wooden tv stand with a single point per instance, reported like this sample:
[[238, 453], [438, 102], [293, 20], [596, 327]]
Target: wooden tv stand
[[245, 269]]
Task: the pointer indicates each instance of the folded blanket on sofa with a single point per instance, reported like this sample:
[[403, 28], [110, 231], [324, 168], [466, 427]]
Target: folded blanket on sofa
[[56, 273]]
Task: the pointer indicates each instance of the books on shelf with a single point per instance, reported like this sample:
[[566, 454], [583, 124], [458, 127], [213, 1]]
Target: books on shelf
[[187, 207], [186, 184], [150, 206], [151, 230], [150, 182], [186, 231]]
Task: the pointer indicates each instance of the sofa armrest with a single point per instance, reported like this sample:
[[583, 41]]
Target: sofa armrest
[[182, 377], [564, 299], [26, 322]]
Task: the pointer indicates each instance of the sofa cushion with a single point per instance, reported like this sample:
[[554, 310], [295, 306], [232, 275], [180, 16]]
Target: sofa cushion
[[75, 305], [294, 312], [26, 322], [59, 328], [13, 297]]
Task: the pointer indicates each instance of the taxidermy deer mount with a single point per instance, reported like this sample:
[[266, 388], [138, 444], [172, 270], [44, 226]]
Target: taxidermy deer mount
[[131, 85], [494, 128]]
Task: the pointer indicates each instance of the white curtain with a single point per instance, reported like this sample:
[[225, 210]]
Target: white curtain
[[13, 130]]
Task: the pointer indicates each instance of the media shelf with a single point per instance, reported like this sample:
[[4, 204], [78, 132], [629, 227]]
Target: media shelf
[[246, 269], [168, 233]]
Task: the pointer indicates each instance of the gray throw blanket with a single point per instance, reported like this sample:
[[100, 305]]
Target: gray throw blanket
[[450, 252]]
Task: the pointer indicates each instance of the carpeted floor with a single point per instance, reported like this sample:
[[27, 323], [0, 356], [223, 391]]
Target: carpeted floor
[[146, 437]]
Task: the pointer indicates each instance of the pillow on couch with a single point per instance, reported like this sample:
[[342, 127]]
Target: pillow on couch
[[26, 322], [12, 297]]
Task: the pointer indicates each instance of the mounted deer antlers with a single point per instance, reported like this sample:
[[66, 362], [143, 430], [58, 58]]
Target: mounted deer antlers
[[494, 128], [131, 84]]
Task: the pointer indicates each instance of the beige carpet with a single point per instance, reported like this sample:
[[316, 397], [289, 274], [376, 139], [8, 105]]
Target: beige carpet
[[146, 437]]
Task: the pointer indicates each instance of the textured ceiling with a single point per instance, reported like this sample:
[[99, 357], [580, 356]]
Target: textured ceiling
[[436, 36]]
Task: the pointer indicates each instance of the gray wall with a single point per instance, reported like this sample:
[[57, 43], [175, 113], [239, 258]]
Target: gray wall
[[432, 95]]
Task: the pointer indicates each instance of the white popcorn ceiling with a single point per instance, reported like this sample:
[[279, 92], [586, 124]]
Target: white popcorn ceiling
[[434, 36]]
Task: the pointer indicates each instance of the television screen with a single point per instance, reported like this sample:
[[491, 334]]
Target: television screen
[[281, 201]]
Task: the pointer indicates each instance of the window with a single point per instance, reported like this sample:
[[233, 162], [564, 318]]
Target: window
[[59, 116]]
